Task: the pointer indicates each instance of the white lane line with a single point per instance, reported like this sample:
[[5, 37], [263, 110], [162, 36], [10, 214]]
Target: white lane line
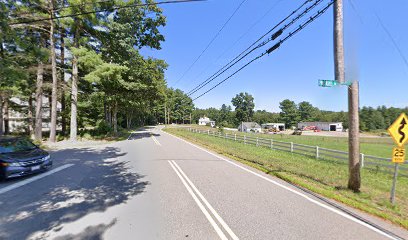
[[292, 190], [200, 205], [156, 141], [217, 216], [35, 178]]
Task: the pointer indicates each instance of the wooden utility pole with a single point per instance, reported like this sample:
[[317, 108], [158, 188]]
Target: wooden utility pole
[[354, 182], [338, 41]]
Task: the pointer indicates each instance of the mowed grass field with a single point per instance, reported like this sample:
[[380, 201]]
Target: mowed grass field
[[328, 178], [375, 146]]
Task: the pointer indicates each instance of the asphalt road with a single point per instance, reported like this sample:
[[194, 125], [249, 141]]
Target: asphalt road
[[157, 186]]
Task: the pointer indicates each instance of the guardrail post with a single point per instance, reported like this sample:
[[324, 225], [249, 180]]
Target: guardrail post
[[208, 132], [257, 141], [244, 139], [291, 146], [235, 137], [219, 134], [361, 160], [271, 143], [226, 135], [317, 152]]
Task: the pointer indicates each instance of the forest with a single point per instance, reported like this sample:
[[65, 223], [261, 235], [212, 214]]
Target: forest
[[83, 57], [68, 67]]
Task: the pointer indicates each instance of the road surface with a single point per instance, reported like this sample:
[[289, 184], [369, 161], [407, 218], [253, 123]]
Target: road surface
[[157, 186]]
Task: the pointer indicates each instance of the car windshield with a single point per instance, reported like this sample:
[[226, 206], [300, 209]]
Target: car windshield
[[15, 145]]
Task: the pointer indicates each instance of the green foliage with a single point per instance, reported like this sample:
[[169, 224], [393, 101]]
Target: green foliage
[[244, 107], [179, 105], [262, 116], [307, 112], [289, 113]]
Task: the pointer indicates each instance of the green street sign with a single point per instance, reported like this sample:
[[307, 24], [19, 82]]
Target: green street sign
[[328, 83], [331, 83]]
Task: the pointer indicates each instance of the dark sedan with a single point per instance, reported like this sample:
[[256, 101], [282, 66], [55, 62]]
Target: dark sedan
[[20, 157]]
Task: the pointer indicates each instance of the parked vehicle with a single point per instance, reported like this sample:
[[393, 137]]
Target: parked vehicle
[[297, 131], [20, 157]]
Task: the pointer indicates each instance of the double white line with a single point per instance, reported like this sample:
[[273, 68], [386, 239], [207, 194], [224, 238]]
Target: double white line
[[155, 140], [197, 196]]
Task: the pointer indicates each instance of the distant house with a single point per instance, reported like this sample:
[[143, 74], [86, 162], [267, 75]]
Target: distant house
[[323, 126], [275, 126], [249, 127], [206, 121], [18, 118]]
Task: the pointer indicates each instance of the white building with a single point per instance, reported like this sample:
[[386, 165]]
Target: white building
[[323, 126], [206, 121], [249, 127], [276, 126], [18, 117]]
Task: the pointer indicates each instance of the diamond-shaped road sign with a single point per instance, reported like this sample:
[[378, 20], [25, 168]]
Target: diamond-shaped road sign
[[399, 130]]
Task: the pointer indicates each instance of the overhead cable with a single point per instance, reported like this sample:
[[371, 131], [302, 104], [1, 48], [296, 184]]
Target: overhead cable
[[274, 47]]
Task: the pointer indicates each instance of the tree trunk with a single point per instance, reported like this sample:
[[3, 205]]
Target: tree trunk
[[62, 82], [30, 116], [110, 116], [115, 118], [6, 114], [129, 116], [53, 124], [38, 102], [165, 114], [1, 114], [106, 110], [74, 99], [74, 89]]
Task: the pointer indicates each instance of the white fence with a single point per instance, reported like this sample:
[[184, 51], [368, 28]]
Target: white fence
[[366, 161]]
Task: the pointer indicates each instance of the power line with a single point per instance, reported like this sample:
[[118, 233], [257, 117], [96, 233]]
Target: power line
[[104, 10], [385, 29], [209, 44], [205, 82], [273, 37], [241, 37], [392, 40], [274, 47]]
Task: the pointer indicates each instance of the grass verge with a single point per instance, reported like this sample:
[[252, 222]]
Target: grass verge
[[328, 178]]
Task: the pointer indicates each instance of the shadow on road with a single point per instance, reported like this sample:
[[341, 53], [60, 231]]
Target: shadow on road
[[93, 232], [95, 183], [140, 135]]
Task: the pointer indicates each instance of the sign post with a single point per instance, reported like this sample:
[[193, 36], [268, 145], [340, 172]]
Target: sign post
[[399, 133]]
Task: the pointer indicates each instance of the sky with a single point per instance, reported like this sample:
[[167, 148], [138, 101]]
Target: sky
[[375, 55]]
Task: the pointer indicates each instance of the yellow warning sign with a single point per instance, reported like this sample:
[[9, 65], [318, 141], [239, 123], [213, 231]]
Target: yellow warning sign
[[398, 155], [399, 130]]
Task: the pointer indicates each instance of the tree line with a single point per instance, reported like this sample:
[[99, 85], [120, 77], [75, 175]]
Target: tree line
[[291, 113], [88, 63]]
